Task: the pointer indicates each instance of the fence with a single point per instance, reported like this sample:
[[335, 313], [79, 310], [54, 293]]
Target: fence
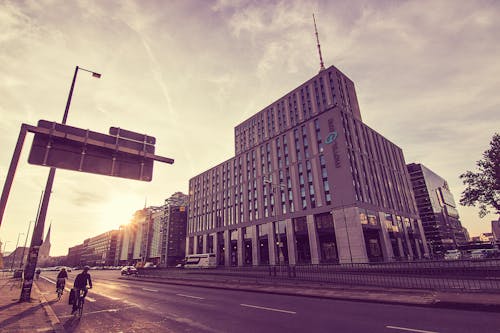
[[463, 275]]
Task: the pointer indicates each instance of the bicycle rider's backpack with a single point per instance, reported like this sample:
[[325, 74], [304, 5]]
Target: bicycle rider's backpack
[[72, 296]]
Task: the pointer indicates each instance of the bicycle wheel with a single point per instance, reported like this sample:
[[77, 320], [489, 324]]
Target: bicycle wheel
[[59, 294], [80, 308]]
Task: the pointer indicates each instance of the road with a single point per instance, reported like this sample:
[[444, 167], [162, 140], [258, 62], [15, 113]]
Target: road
[[116, 305]]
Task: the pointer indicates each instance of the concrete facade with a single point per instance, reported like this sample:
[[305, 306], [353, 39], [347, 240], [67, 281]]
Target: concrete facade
[[311, 183]]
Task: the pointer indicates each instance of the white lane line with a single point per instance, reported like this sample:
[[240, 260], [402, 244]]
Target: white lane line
[[47, 279], [410, 329], [269, 309], [189, 296], [147, 289]]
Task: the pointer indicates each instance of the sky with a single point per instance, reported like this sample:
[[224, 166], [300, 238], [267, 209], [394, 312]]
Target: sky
[[427, 76]]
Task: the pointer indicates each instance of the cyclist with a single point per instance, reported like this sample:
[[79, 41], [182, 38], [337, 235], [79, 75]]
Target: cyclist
[[80, 284], [61, 279]]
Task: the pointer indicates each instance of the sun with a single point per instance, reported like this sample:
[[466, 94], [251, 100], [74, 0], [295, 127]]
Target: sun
[[119, 211]]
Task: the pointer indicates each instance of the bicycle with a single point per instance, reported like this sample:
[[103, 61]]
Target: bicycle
[[60, 289], [80, 300]]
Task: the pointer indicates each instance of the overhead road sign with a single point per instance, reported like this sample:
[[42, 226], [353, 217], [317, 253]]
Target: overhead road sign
[[125, 154]]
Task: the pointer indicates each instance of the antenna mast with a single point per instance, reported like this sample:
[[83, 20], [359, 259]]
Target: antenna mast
[[321, 65]]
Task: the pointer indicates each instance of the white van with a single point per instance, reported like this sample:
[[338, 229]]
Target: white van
[[203, 260]]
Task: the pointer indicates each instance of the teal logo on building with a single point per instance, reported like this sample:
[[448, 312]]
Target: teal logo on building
[[331, 137]]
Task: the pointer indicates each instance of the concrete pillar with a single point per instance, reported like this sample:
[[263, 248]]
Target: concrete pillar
[[313, 240], [215, 244], [255, 245], [401, 248], [239, 246], [349, 234], [188, 239], [271, 242], [385, 239], [205, 243], [291, 243], [227, 248]]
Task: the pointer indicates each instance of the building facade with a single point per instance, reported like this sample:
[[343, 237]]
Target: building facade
[[495, 230], [437, 210], [100, 250], [309, 183], [156, 234], [174, 226], [74, 257]]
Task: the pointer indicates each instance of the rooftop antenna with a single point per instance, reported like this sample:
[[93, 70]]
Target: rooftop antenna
[[321, 64]]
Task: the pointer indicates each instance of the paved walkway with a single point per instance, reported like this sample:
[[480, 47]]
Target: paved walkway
[[15, 317]]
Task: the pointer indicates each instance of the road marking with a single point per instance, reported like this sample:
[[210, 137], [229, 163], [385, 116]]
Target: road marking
[[409, 329], [147, 289], [189, 296], [90, 299], [269, 309]]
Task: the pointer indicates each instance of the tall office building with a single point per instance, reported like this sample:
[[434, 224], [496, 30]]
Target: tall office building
[[437, 210], [309, 183], [156, 234], [100, 250]]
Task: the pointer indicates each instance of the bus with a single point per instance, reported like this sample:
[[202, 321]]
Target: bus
[[202, 260]]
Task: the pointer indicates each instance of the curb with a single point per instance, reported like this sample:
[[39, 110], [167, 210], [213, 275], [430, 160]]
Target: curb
[[54, 320]]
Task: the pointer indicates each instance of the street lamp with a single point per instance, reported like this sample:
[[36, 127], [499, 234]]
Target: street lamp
[[24, 247], [4, 246], [15, 251], [37, 238]]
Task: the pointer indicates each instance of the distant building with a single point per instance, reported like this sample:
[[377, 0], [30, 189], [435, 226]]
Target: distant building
[[310, 183], [495, 229], [44, 252], [155, 234], [100, 250], [15, 258], [487, 237], [174, 226], [74, 257], [437, 209]]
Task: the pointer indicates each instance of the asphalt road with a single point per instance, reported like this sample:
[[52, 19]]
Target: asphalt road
[[116, 305]]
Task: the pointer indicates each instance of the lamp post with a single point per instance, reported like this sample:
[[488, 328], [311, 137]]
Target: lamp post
[[37, 238], [275, 187], [15, 251], [4, 246], [24, 247]]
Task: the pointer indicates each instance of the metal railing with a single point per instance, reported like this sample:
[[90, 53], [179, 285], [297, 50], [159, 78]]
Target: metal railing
[[463, 275]]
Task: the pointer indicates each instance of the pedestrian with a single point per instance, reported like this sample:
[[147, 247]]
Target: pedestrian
[[37, 273]]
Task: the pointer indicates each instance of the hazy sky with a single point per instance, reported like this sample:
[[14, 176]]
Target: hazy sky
[[427, 75]]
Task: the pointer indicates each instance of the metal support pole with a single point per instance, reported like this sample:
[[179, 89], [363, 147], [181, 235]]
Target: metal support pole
[[12, 170], [36, 240]]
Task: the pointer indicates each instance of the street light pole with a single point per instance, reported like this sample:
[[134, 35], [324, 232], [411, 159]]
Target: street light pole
[[37, 238], [24, 247], [15, 251]]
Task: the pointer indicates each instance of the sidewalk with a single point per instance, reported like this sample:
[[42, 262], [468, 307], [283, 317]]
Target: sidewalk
[[15, 317]]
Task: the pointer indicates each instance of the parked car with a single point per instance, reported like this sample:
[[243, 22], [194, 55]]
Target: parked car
[[478, 254], [452, 255], [129, 270]]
